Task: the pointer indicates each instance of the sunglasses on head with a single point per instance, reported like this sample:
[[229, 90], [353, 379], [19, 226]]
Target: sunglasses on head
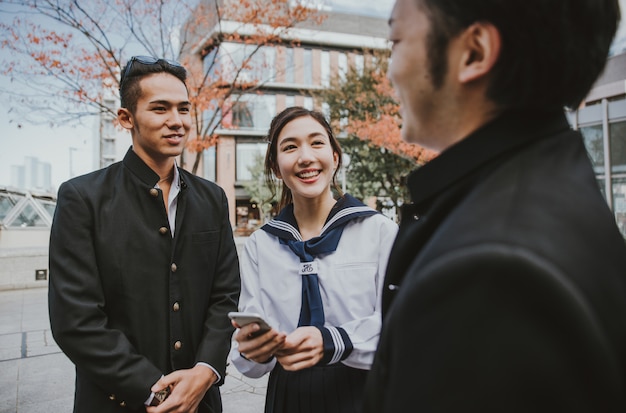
[[147, 60]]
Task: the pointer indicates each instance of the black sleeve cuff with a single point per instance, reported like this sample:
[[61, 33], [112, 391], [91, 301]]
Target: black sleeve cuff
[[337, 345]]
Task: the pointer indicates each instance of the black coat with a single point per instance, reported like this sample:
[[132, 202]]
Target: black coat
[[506, 286], [123, 292]]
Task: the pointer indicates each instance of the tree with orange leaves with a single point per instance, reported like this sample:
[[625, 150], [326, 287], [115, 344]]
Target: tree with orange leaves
[[66, 56], [364, 110]]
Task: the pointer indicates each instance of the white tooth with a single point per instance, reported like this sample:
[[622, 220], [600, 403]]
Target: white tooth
[[308, 174]]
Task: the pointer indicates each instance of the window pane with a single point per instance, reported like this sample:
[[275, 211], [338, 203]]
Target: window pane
[[308, 67], [595, 146], [619, 203], [248, 155], [600, 180], [49, 206], [308, 103], [28, 218], [209, 163], [325, 68], [253, 112], [242, 115], [260, 63], [7, 202], [617, 132], [342, 66], [359, 63], [290, 69], [290, 101]]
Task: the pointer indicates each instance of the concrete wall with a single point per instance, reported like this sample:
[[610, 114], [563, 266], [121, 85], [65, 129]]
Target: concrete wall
[[18, 267]]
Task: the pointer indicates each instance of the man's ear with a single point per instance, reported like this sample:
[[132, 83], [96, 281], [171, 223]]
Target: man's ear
[[125, 118], [481, 49]]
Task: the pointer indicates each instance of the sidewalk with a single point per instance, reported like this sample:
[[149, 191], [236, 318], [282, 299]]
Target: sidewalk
[[36, 377]]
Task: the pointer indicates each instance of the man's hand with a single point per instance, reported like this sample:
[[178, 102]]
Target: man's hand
[[303, 348], [258, 348], [188, 388]]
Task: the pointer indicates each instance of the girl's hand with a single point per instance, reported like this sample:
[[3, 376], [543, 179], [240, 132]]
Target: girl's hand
[[301, 349], [258, 347]]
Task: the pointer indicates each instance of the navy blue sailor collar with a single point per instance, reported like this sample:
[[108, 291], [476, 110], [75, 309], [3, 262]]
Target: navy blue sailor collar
[[346, 208]]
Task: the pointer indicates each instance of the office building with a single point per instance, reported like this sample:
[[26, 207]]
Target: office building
[[290, 72]]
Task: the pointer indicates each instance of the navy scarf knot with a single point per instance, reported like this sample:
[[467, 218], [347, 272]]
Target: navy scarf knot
[[284, 226]]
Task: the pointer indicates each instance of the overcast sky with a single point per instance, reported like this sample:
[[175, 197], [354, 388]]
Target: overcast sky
[[57, 144]]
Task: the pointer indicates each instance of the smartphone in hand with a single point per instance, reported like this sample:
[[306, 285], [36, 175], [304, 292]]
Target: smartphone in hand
[[243, 319]]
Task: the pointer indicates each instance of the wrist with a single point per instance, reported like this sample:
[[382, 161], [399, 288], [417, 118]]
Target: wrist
[[206, 374]]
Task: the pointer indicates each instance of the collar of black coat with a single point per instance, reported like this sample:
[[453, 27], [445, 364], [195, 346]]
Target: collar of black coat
[[138, 167], [507, 133]]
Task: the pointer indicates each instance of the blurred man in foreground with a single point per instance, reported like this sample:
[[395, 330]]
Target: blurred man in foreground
[[506, 286]]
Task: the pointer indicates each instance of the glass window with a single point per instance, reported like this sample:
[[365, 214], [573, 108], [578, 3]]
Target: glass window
[[617, 132], [259, 67], [247, 155], [252, 112], [242, 115], [211, 61], [326, 110], [290, 69], [290, 101], [49, 206], [359, 63], [308, 66], [595, 146], [342, 65], [29, 217], [308, 103], [268, 59], [209, 164], [619, 203], [7, 202], [325, 68]]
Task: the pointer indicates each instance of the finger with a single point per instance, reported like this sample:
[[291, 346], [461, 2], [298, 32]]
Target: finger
[[165, 381], [262, 354], [294, 363], [247, 332], [268, 340]]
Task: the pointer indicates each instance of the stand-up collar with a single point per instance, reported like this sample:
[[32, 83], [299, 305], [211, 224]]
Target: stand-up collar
[[138, 167], [509, 131]]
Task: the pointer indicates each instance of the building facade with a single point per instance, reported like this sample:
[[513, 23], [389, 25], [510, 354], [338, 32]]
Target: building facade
[[289, 74], [32, 174], [25, 220], [602, 122]]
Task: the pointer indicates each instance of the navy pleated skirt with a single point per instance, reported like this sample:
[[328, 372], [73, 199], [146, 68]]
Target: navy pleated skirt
[[329, 389]]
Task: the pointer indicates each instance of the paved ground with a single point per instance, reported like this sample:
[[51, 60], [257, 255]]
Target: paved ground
[[36, 377]]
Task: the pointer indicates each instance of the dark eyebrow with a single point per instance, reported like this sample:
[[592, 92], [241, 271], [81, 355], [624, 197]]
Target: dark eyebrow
[[309, 136], [168, 103]]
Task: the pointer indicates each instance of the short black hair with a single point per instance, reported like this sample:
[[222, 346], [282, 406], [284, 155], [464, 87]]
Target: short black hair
[[136, 69], [552, 50]]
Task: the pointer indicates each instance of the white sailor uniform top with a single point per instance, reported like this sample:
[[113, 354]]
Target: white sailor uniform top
[[350, 282]]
